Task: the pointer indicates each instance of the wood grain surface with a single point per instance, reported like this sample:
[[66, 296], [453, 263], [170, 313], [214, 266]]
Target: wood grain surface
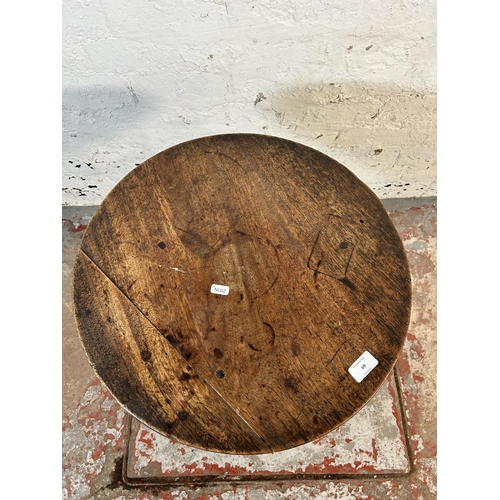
[[316, 271]]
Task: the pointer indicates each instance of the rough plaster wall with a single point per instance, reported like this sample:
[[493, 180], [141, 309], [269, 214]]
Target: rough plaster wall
[[355, 79]]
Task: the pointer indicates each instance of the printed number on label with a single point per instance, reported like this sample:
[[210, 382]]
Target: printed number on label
[[362, 366], [220, 289]]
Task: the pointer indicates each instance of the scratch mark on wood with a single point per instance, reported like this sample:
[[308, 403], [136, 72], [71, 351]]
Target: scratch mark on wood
[[336, 352], [228, 157], [347, 282], [348, 262], [178, 270], [270, 330], [312, 249]]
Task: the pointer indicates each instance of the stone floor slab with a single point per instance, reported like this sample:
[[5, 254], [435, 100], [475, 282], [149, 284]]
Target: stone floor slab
[[104, 459], [372, 442]]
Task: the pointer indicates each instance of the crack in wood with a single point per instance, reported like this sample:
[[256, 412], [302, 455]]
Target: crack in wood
[[195, 372]]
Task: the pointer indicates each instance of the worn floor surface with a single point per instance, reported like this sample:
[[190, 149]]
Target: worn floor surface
[[388, 450]]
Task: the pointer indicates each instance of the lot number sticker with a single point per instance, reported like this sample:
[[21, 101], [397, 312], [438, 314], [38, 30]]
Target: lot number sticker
[[362, 366], [220, 289]]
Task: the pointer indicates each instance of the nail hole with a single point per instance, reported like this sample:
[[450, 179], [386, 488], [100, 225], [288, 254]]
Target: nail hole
[[343, 245], [362, 221], [220, 374]]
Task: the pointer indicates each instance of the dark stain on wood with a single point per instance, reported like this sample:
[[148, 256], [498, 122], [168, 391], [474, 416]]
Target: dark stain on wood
[[183, 415], [145, 355], [292, 384], [348, 283]]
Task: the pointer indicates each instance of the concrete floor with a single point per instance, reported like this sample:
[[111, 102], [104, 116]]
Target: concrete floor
[[387, 450]]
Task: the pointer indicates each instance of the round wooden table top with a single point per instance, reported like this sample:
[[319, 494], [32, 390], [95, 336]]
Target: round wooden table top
[[242, 293]]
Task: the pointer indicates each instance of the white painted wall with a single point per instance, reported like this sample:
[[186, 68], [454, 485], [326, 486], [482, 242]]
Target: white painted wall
[[355, 79]]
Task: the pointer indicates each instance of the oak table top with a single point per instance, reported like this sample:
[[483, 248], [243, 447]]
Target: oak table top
[[242, 293]]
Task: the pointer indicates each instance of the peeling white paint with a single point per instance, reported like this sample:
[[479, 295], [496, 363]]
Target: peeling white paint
[[82, 437], [346, 78], [419, 442]]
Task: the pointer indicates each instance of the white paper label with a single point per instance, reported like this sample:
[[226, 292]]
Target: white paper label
[[220, 289], [362, 366]]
